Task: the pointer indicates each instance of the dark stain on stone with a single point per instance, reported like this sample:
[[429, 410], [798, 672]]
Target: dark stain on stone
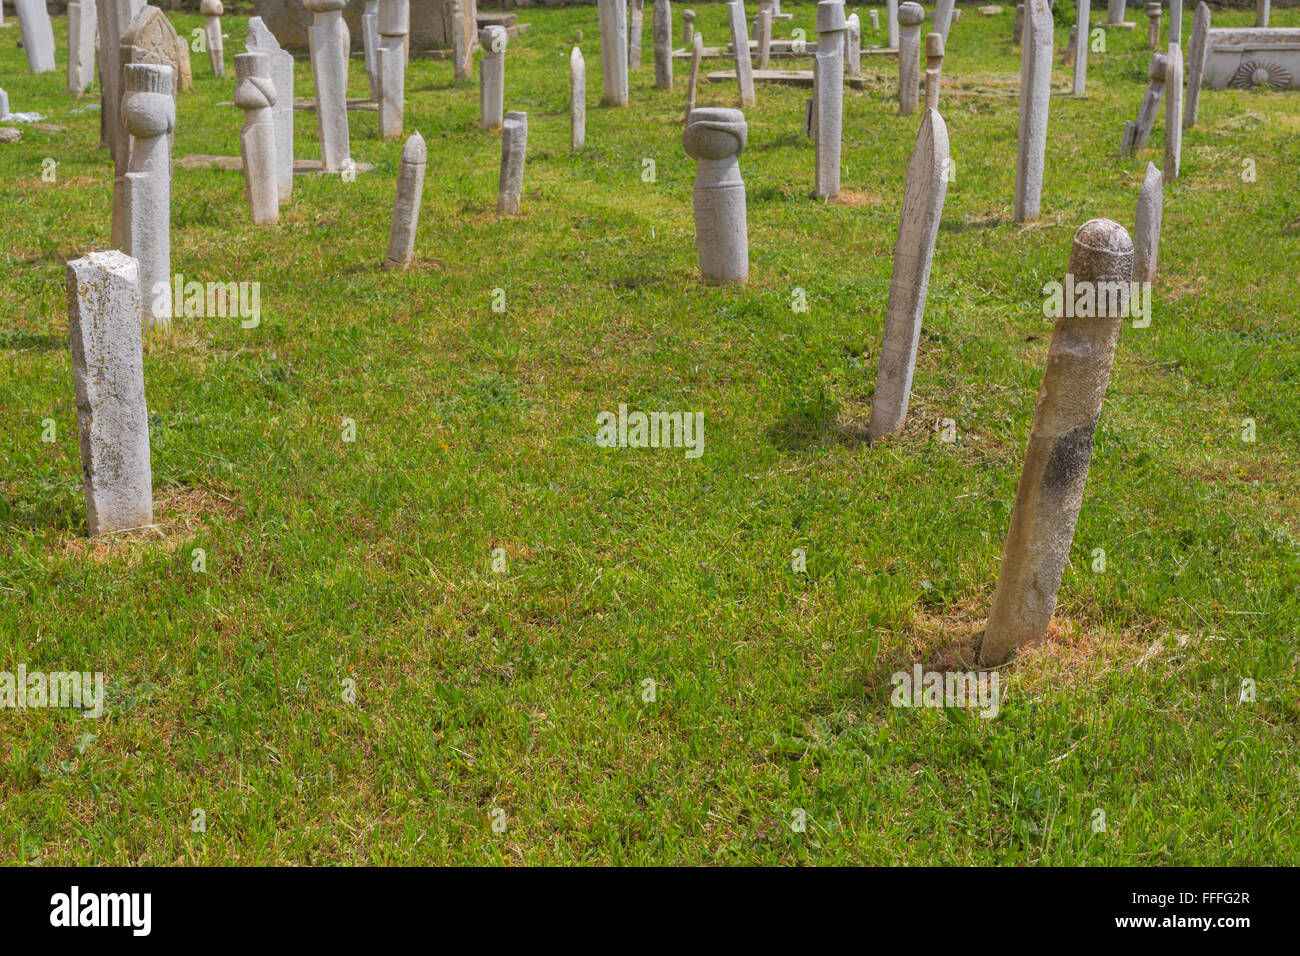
[[1069, 458]]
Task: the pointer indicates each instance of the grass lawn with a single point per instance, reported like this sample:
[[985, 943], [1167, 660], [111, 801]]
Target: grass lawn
[[643, 677]]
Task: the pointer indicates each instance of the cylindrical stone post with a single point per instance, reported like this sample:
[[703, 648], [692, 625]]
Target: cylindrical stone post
[[406, 205], [1084, 13], [104, 305], [391, 66], [693, 80], [1176, 22], [1173, 112], [933, 69], [910, 16], [1059, 452], [635, 25], [688, 28], [1115, 12], [1035, 99], [212, 10], [943, 17], [891, 17], [715, 138], [613, 52], [461, 51], [492, 76], [255, 94], [577, 100], [663, 40], [329, 73], [514, 151], [1261, 13], [149, 115], [261, 40], [875, 19], [1153, 26], [829, 92], [1197, 43]]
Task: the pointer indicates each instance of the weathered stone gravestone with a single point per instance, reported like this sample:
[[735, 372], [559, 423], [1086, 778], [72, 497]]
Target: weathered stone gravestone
[[38, 34], [740, 44], [212, 10], [933, 69], [82, 24], [943, 17], [688, 28], [891, 22], [514, 151], [923, 198], [370, 45], [1196, 47], [261, 40], [114, 18], [763, 29], [1059, 452], [715, 138], [663, 41], [1035, 99], [1115, 15], [853, 60], [1146, 226], [1153, 26], [1137, 133], [142, 197], [329, 72], [1018, 25], [910, 16], [829, 93], [613, 51], [1261, 13], [693, 80], [1173, 112], [104, 305], [1176, 22], [1250, 57], [255, 94], [390, 64], [406, 204], [1084, 8], [577, 100], [462, 42], [635, 25], [492, 77]]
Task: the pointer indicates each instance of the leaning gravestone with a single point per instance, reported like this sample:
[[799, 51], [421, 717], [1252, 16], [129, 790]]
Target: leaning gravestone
[[104, 304], [1174, 113], [255, 94], [943, 17], [1146, 226], [715, 138], [1137, 133], [740, 45], [1196, 45], [613, 51], [514, 153], [406, 205], [38, 34], [1055, 472], [923, 198], [693, 80], [261, 40], [1035, 99]]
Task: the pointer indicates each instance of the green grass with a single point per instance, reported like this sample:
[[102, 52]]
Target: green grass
[[522, 692]]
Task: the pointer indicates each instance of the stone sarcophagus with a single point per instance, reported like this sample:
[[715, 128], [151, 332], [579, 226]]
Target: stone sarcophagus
[[1247, 57]]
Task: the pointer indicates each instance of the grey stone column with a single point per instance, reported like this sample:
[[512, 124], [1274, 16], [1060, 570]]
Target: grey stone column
[[1146, 226], [492, 77], [390, 63], [829, 93], [1035, 100], [715, 138], [577, 100], [613, 51], [329, 73], [406, 204], [910, 16], [212, 10], [663, 41], [514, 152], [145, 189], [262, 40], [255, 95]]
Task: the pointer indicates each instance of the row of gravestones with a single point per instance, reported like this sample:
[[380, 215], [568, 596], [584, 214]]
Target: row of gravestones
[[107, 307]]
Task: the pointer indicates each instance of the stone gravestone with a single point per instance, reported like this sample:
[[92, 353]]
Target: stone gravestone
[[255, 94], [943, 17], [390, 64], [1018, 25], [370, 45], [692, 82], [462, 44], [1261, 13], [1173, 112], [933, 69], [104, 305], [923, 198], [1196, 45], [492, 77], [688, 28], [114, 18], [663, 41], [715, 138], [1248, 57], [740, 45], [1137, 133], [1035, 97], [829, 94], [891, 18], [613, 51], [1059, 452], [261, 40], [1176, 22], [1146, 226], [763, 31], [329, 72], [909, 57], [1084, 13], [1115, 15], [514, 152], [81, 45], [38, 34], [577, 100], [635, 23], [1153, 26], [145, 189], [853, 62], [406, 205], [212, 10]]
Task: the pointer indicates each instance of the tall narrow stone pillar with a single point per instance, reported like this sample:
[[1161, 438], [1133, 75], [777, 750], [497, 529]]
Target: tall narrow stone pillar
[[212, 10], [715, 139], [1146, 226], [933, 69], [82, 24], [461, 50], [391, 65], [853, 62], [1173, 112], [613, 51], [918, 227], [1196, 47], [910, 16], [1261, 13], [1176, 22], [1153, 26], [514, 152], [1018, 26], [115, 18], [1136, 134], [149, 115], [829, 82], [1084, 13], [38, 34], [104, 305], [635, 24], [329, 73], [692, 82], [688, 28], [740, 45], [663, 40], [370, 45], [577, 100], [406, 205], [1035, 97], [255, 95], [943, 17], [492, 77], [1060, 444], [261, 40], [763, 27], [891, 17]]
